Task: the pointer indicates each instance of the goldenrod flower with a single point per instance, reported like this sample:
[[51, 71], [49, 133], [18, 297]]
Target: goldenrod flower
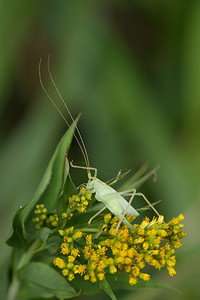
[[132, 280], [135, 271], [70, 265], [77, 235], [100, 276], [127, 260], [59, 262], [125, 250], [71, 259], [71, 276], [112, 269], [107, 218], [86, 277], [88, 239], [75, 252], [65, 272], [64, 248], [80, 269], [172, 271], [93, 279], [145, 276]]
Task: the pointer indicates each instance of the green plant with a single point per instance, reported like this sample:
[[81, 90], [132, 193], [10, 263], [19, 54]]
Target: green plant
[[57, 254]]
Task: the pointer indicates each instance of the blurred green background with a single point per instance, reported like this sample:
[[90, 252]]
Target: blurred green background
[[133, 69]]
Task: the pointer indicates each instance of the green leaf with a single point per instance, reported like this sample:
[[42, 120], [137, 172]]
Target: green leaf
[[147, 207], [29, 290], [68, 190], [46, 278], [52, 181], [85, 286], [122, 283], [138, 179], [107, 289], [51, 241], [17, 238]]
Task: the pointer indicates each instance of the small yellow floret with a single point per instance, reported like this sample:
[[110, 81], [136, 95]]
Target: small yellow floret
[[145, 276], [59, 262], [177, 244], [71, 276], [100, 276], [107, 218], [64, 248], [93, 279], [132, 280], [88, 239], [80, 269], [65, 272], [75, 252], [77, 235], [71, 259], [70, 266], [135, 271], [112, 269], [127, 269], [127, 260], [172, 271], [181, 217], [86, 277], [145, 245]]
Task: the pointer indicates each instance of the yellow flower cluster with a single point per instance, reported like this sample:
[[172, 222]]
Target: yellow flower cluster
[[77, 203], [42, 219], [126, 250], [69, 264], [80, 202]]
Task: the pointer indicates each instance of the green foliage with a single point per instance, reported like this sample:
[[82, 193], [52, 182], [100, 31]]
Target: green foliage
[[18, 239], [34, 250], [41, 277]]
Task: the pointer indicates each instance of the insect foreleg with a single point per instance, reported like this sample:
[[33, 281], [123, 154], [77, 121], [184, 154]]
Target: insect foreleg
[[125, 212], [116, 179], [85, 168], [82, 185], [90, 220]]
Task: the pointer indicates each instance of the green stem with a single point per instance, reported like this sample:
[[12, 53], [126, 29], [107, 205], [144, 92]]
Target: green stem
[[13, 289], [15, 283], [88, 229]]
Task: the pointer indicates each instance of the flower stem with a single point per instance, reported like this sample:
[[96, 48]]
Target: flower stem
[[89, 229], [13, 289], [15, 283]]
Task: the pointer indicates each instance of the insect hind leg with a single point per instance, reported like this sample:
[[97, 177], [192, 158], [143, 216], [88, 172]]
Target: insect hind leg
[[147, 201], [125, 212], [90, 220]]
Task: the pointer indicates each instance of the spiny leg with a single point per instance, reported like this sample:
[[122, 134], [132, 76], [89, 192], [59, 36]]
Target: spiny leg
[[90, 220], [129, 203], [147, 201]]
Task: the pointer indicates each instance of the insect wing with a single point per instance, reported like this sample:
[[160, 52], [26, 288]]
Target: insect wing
[[131, 211]]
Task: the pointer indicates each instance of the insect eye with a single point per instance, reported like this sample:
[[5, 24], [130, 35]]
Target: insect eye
[[91, 179]]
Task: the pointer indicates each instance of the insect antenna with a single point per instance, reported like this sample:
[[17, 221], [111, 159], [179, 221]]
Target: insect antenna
[[66, 107], [61, 114]]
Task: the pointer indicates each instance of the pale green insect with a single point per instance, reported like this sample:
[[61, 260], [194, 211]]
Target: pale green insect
[[104, 193], [112, 200]]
